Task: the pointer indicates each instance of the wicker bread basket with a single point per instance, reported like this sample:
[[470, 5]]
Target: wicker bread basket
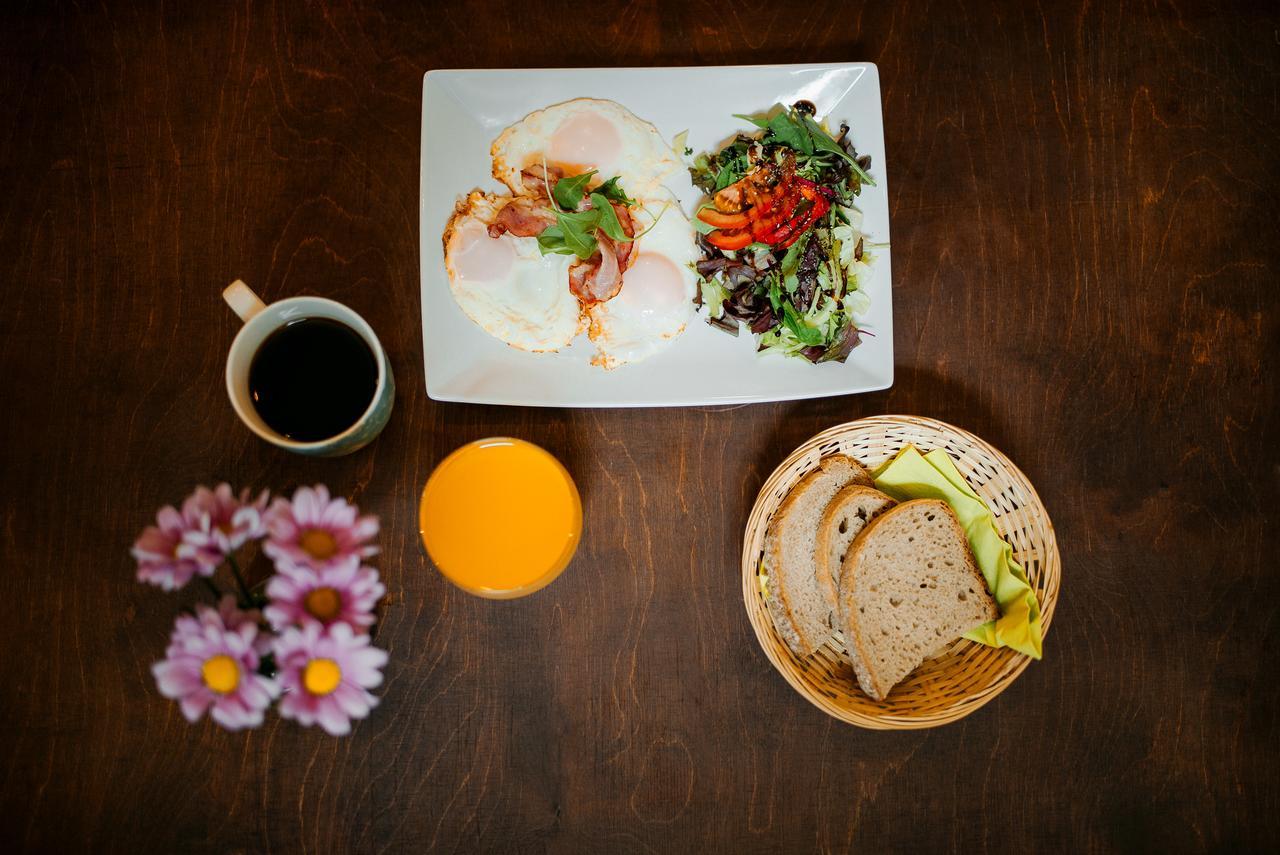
[[966, 675]]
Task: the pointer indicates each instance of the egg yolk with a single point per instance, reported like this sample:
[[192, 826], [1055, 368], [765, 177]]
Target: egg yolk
[[480, 258], [588, 139], [652, 284]]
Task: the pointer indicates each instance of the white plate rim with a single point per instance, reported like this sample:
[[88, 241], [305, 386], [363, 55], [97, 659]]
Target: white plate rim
[[427, 237]]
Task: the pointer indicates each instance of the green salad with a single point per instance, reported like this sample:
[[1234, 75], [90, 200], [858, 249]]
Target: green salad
[[782, 246]]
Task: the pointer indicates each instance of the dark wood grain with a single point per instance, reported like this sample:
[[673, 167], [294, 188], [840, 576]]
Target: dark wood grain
[[1085, 201]]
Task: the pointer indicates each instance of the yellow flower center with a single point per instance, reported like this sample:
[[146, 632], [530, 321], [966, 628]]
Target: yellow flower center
[[321, 676], [221, 673], [323, 604], [318, 543], [226, 527]]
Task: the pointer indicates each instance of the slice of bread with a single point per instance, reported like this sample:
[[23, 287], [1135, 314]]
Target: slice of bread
[[908, 585], [844, 519], [799, 609]]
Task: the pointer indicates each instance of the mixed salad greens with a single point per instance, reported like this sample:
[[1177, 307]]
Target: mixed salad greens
[[782, 244]]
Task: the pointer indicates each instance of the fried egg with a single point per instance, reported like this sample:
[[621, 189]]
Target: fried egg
[[656, 300], [505, 285], [581, 135]]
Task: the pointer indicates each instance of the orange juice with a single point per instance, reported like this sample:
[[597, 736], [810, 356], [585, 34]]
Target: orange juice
[[500, 517]]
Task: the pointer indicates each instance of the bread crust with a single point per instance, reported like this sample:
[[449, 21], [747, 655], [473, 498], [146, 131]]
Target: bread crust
[[776, 597], [829, 576], [871, 682]]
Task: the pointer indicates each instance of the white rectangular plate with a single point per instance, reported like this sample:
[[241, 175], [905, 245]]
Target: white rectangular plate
[[462, 113]]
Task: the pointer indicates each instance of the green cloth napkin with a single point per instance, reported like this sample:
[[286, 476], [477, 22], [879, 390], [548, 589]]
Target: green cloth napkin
[[911, 475]]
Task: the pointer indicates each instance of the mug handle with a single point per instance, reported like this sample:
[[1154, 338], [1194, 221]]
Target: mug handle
[[242, 300]]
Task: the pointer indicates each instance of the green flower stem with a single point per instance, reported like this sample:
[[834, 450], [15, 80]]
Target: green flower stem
[[213, 589], [247, 598]]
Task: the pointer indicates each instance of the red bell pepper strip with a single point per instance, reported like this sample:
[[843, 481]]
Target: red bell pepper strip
[[721, 220], [729, 239], [801, 224], [784, 231], [767, 200], [765, 223], [798, 218]]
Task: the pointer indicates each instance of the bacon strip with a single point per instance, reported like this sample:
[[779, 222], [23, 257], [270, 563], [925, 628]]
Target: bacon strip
[[623, 249], [599, 278], [523, 217], [608, 276], [535, 179]]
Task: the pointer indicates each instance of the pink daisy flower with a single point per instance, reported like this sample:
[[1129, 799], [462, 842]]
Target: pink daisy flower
[[163, 558], [317, 531], [222, 523], [336, 593], [325, 675], [211, 665]]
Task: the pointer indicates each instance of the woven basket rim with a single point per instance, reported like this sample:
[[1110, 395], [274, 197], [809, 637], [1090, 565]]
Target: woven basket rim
[[842, 699]]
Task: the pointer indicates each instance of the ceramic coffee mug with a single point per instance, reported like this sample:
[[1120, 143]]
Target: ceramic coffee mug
[[260, 321]]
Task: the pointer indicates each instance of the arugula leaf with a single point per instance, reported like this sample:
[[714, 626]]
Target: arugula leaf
[[791, 260], [732, 162], [802, 331], [611, 191], [724, 178], [551, 241], [731, 171], [824, 142], [759, 123], [584, 220], [579, 228], [608, 218], [775, 294], [568, 191], [786, 130]]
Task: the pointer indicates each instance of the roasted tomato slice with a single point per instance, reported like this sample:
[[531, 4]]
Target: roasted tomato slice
[[782, 211], [766, 200], [712, 217], [730, 239], [732, 198]]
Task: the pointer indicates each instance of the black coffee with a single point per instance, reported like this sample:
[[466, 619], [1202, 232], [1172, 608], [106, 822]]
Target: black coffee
[[312, 379]]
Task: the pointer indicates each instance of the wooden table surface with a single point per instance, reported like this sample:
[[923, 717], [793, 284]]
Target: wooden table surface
[[1084, 202]]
